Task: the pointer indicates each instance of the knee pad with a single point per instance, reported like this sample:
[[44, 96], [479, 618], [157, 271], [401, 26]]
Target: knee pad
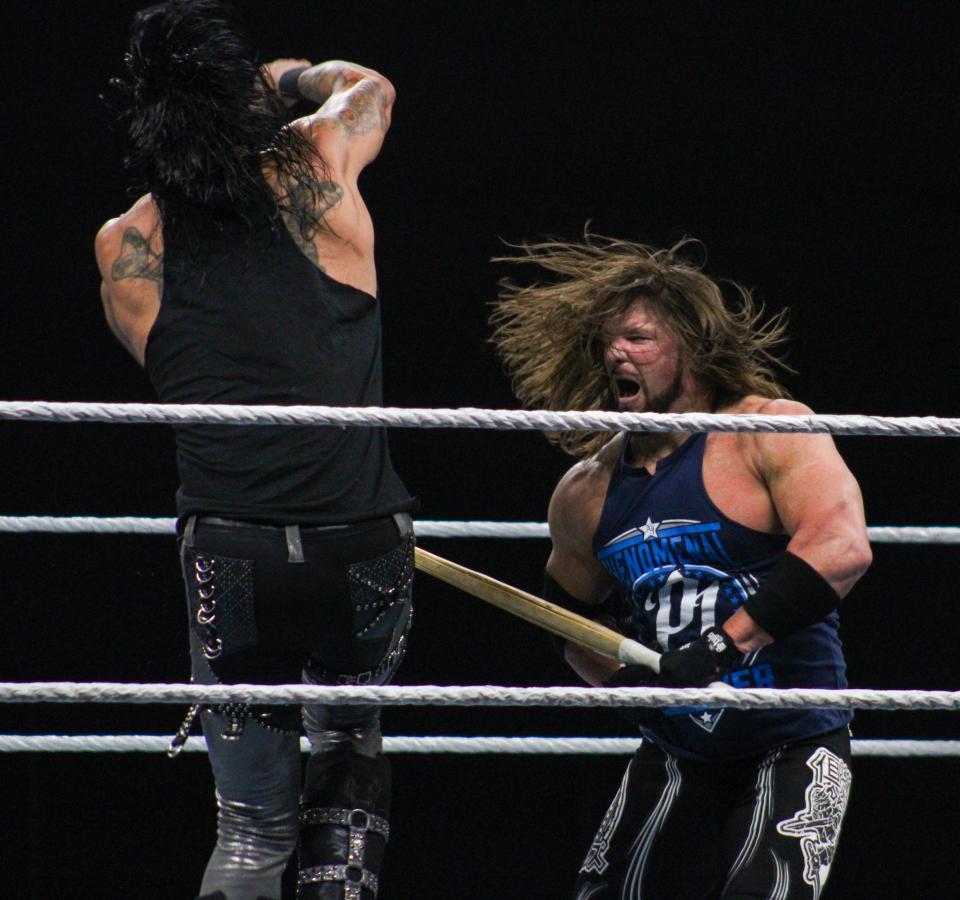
[[343, 825]]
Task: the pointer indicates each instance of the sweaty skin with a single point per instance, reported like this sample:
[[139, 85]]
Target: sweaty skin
[[775, 483], [348, 130]]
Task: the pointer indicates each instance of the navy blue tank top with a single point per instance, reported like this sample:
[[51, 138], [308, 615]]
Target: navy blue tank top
[[261, 324], [687, 567]]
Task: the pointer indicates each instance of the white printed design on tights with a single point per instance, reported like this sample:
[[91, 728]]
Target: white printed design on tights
[[781, 883], [596, 860], [642, 846], [762, 813], [817, 825]]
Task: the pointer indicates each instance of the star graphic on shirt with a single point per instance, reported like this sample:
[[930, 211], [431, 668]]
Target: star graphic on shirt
[[649, 529], [706, 717]]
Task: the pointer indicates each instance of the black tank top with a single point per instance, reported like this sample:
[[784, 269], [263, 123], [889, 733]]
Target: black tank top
[[260, 324]]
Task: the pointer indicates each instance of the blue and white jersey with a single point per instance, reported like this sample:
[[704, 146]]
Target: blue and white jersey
[[687, 567]]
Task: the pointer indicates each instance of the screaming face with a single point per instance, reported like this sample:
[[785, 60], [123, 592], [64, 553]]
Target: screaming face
[[642, 361]]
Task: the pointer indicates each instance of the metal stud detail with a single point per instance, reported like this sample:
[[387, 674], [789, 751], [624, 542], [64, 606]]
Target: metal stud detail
[[354, 879]]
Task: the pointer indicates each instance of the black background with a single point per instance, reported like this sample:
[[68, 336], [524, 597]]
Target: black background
[[810, 146]]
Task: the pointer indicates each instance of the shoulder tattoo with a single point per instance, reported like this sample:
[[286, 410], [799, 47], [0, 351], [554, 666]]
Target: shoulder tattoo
[[303, 200], [136, 259]]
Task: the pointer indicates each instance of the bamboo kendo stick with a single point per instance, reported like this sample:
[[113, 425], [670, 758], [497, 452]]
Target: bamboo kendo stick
[[548, 616]]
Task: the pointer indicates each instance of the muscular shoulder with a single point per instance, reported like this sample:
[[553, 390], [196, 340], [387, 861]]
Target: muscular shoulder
[[574, 514], [135, 231], [130, 257], [577, 501], [769, 452], [768, 406]]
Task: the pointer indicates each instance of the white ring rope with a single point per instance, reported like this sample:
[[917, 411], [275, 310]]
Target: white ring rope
[[882, 534], [133, 743], [467, 417], [87, 524], [475, 695]]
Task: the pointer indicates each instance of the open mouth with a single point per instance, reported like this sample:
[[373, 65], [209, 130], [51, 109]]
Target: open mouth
[[626, 388]]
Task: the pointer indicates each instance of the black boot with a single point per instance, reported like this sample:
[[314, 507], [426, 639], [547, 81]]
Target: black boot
[[343, 825]]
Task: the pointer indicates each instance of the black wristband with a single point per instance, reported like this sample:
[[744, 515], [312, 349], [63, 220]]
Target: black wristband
[[287, 85], [794, 596]]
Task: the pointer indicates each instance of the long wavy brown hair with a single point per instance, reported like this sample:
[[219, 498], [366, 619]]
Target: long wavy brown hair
[[548, 333]]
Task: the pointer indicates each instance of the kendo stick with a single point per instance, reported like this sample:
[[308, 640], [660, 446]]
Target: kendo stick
[[539, 612]]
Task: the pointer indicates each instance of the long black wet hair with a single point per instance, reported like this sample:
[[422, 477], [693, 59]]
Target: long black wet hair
[[200, 119]]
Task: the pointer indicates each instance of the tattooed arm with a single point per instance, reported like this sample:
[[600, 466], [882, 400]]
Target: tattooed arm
[[131, 264], [320, 196], [136, 259], [355, 108], [347, 131]]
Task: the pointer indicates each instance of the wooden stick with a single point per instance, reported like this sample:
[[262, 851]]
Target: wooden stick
[[548, 616]]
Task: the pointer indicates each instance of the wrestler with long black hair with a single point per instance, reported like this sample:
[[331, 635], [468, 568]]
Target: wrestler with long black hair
[[245, 274]]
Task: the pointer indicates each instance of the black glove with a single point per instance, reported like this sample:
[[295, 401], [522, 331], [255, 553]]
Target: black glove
[[704, 660], [633, 676], [636, 676]]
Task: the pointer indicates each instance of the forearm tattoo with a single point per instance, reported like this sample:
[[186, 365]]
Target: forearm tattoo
[[365, 111], [365, 104], [136, 259]]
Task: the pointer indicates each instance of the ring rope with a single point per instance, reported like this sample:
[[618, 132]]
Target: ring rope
[[881, 534], [467, 417], [133, 743], [476, 695]]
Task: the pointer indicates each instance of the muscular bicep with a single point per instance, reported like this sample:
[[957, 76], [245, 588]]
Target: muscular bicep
[[572, 517], [132, 273], [819, 504], [579, 576], [110, 315]]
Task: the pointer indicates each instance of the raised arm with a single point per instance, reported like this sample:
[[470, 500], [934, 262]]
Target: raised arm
[[355, 108]]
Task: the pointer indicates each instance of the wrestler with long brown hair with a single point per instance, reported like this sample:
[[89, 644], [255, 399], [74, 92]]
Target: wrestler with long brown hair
[[731, 553]]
